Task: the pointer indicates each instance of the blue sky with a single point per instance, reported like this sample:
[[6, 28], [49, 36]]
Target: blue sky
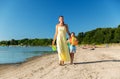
[[37, 18]]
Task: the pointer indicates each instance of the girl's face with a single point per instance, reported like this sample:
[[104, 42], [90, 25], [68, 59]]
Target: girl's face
[[72, 34], [61, 19]]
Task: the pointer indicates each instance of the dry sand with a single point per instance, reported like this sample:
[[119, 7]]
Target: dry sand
[[101, 63]]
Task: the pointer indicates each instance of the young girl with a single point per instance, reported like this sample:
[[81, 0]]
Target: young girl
[[73, 43]]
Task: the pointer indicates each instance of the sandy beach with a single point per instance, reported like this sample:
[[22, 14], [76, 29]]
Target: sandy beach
[[101, 63]]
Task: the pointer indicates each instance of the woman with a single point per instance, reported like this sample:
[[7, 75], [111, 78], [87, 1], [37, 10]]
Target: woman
[[60, 35]]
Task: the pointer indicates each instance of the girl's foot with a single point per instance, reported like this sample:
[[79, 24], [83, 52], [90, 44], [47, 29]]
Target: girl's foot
[[71, 63]]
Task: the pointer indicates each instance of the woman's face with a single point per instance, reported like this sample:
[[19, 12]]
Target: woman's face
[[61, 19]]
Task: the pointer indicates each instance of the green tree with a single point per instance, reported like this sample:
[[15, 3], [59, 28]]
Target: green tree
[[80, 37], [117, 35]]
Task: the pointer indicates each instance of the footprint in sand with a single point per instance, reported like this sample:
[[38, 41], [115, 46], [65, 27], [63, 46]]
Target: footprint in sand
[[42, 68]]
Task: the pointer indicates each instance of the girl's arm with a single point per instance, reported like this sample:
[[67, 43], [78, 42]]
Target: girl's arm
[[55, 36]]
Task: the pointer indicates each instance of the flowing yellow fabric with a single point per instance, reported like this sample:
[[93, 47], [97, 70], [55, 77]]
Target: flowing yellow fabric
[[62, 48]]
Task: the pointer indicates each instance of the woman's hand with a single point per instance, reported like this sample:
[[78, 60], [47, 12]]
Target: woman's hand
[[52, 42]]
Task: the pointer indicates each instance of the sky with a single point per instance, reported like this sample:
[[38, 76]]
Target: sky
[[37, 18]]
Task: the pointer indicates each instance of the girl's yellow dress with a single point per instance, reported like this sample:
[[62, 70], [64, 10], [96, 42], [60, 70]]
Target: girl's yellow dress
[[62, 48]]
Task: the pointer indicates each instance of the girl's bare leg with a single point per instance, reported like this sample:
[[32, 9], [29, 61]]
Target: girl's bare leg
[[72, 57]]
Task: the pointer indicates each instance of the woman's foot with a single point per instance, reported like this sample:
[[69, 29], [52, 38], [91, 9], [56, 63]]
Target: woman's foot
[[61, 63]]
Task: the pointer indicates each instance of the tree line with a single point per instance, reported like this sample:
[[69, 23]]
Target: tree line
[[27, 42], [100, 36], [97, 36]]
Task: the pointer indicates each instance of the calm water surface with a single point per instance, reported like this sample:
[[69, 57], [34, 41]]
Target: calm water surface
[[17, 54]]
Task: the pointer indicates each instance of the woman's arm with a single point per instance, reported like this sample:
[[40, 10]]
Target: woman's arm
[[55, 36], [67, 30]]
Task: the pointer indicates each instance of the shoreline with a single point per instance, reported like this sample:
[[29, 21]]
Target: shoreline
[[55, 52], [101, 63]]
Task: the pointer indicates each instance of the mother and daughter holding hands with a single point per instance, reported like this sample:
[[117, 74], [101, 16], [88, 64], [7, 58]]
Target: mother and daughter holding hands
[[65, 52]]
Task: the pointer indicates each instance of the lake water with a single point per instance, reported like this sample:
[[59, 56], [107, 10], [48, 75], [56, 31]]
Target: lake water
[[17, 54]]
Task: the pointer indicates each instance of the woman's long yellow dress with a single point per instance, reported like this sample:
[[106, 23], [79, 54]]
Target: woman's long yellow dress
[[62, 48]]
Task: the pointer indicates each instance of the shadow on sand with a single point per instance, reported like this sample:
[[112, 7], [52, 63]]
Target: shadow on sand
[[92, 62]]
